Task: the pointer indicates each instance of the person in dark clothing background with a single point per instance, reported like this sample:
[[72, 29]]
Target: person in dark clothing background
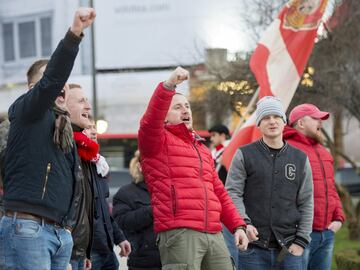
[[42, 177], [96, 233], [106, 231], [219, 137], [133, 213]]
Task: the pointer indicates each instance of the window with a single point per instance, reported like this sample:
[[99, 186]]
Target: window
[[29, 37], [46, 48], [27, 41], [8, 37]]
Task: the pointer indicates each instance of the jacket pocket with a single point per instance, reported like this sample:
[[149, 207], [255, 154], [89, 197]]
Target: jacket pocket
[[48, 169], [173, 236], [173, 199]]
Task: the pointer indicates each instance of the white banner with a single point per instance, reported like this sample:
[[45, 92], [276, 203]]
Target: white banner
[[155, 33]]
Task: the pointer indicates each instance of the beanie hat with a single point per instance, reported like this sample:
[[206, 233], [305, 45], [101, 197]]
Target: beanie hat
[[269, 105]]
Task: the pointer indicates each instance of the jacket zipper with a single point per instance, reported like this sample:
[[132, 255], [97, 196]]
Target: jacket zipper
[[173, 194], [48, 169], [326, 188], [205, 191]]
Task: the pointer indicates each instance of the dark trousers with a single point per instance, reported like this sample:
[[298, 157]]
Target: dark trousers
[[106, 261]]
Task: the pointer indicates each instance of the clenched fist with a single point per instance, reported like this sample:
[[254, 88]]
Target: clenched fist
[[177, 76], [83, 18]]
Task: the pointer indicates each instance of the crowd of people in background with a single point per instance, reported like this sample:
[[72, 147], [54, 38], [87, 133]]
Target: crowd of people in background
[[276, 207]]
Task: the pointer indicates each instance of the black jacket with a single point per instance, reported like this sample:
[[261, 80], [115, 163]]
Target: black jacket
[[83, 231], [106, 231], [133, 214], [95, 229], [39, 178]]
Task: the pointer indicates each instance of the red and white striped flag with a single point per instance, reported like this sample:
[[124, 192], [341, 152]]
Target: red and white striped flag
[[279, 60]]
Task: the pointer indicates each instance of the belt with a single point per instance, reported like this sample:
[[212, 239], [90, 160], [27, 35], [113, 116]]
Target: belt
[[40, 220]]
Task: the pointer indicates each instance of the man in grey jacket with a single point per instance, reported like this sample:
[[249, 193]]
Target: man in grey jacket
[[270, 183]]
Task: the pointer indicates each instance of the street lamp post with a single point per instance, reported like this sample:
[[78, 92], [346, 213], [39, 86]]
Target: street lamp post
[[93, 68]]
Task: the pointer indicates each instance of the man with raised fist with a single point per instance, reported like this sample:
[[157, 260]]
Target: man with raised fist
[[188, 199], [42, 173]]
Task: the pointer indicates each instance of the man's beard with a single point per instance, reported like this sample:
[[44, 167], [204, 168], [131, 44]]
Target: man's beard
[[317, 136]]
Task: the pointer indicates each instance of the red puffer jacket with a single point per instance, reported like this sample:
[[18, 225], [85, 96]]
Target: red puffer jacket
[[179, 170], [327, 204]]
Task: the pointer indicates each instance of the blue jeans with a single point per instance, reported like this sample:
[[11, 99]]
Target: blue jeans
[[27, 245], [77, 264], [255, 258], [106, 261], [318, 254], [230, 243]]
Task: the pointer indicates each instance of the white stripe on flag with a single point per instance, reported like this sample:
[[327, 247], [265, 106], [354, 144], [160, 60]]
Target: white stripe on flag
[[280, 65]]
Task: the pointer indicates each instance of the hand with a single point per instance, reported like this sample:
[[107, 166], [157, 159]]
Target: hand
[[69, 267], [83, 18], [177, 76], [125, 248], [296, 250], [335, 226], [252, 233], [102, 167], [87, 265], [241, 240]]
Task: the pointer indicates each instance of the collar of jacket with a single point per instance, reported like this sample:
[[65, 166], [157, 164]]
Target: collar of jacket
[[142, 185], [292, 133], [266, 147], [183, 133]]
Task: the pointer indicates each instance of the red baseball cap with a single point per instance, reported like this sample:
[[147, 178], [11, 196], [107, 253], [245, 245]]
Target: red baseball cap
[[306, 109]]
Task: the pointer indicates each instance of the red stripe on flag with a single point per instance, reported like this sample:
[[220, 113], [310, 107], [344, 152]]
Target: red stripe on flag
[[245, 136], [299, 46], [300, 43], [258, 62]]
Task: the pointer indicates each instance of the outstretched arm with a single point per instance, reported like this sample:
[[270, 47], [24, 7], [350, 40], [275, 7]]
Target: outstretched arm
[[42, 95], [151, 133]]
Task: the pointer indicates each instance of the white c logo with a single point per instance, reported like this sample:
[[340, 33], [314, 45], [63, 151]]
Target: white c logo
[[290, 171]]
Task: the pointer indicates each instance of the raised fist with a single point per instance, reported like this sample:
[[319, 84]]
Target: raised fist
[[177, 76], [83, 18]]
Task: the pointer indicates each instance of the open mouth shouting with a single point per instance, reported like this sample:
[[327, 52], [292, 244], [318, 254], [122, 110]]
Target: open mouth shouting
[[85, 115], [185, 119]]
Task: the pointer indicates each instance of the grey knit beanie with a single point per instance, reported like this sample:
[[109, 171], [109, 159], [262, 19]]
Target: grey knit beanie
[[269, 105]]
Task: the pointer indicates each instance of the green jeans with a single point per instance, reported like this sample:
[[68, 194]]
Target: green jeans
[[186, 249]]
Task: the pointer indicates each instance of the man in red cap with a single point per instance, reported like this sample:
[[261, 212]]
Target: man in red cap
[[304, 132]]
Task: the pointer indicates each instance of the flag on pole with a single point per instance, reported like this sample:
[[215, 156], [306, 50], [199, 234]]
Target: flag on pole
[[279, 60]]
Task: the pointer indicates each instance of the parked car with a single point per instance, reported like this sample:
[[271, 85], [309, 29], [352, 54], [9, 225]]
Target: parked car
[[349, 179]]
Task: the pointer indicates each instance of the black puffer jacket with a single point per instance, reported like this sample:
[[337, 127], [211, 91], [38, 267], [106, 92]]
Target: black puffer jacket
[[133, 214]]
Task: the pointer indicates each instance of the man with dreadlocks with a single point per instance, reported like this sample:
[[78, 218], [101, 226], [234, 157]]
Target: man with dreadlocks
[[42, 173]]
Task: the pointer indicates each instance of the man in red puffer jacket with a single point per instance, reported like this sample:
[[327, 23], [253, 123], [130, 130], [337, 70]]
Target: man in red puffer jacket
[[189, 201], [305, 134]]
